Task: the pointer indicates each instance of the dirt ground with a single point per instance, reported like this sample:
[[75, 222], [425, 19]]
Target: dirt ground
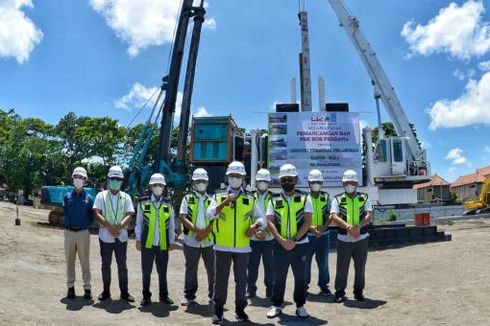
[[443, 283]]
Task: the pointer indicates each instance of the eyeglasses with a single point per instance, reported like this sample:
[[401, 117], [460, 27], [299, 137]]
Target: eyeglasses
[[316, 182]]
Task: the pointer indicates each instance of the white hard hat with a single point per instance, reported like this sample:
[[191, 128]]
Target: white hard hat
[[288, 170], [236, 168], [200, 174], [157, 178], [315, 175], [263, 175], [350, 175], [79, 171], [115, 172]]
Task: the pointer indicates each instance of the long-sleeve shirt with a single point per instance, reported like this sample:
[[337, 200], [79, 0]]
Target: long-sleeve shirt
[[263, 207], [200, 221], [211, 215], [156, 238], [77, 209]]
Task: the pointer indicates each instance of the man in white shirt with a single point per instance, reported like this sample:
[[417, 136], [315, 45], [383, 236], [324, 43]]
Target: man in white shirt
[[351, 211], [155, 237], [289, 216], [198, 238], [113, 210]]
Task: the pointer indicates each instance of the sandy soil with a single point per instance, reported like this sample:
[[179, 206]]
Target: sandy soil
[[443, 283]]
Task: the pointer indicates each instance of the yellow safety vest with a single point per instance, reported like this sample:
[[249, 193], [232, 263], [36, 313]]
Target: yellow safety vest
[[150, 214], [321, 206], [192, 211], [289, 217], [351, 209], [233, 222], [114, 215]]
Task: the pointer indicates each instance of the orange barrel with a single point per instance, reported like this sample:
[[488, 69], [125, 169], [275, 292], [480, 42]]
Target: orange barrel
[[418, 219]]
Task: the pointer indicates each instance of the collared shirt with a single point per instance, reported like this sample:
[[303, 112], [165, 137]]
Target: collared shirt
[[308, 209], [368, 207], [138, 231], [200, 221], [329, 207], [211, 215], [263, 207], [77, 209], [104, 234]]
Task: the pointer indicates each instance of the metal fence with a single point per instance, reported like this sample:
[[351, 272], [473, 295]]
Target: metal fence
[[382, 215]]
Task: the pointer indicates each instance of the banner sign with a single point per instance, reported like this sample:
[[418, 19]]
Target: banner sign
[[328, 141]]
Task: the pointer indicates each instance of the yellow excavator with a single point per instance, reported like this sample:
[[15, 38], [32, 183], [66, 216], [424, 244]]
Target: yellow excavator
[[481, 204]]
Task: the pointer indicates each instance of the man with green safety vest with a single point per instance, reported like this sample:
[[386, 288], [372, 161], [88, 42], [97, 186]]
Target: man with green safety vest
[[155, 237], [113, 209], [198, 238], [319, 236], [351, 211], [289, 215], [262, 242], [233, 212]]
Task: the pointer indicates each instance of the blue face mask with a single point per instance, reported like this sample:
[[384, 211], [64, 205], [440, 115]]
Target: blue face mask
[[115, 184]]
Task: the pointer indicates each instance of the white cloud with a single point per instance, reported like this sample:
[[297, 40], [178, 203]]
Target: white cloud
[[142, 23], [487, 149], [457, 30], [137, 96], [485, 65], [456, 156], [425, 144], [18, 34], [202, 112], [472, 107], [463, 75]]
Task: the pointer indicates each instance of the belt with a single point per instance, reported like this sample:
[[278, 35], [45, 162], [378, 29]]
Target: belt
[[75, 228]]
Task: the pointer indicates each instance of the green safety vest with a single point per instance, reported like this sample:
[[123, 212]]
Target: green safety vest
[[193, 210], [233, 222], [320, 205], [289, 216], [150, 216], [114, 215], [352, 210]]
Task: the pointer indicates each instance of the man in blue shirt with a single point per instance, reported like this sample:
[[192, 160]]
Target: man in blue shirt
[[78, 213]]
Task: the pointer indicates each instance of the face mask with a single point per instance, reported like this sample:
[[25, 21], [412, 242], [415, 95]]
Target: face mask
[[262, 186], [288, 187], [235, 183], [115, 184], [201, 187], [78, 183], [158, 191], [350, 189], [315, 187]]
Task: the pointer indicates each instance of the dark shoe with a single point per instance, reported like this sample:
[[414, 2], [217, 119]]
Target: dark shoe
[[339, 298], [127, 297], [166, 300], [145, 302], [268, 294], [217, 317], [71, 293], [325, 292], [104, 296], [241, 315], [88, 295], [359, 297]]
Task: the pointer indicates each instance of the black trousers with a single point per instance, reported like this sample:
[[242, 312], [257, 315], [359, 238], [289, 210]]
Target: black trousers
[[192, 256], [358, 251], [223, 262], [148, 258], [261, 249], [296, 258], [120, 250]]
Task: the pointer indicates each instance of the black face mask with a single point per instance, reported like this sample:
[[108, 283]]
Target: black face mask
[[287, 187]]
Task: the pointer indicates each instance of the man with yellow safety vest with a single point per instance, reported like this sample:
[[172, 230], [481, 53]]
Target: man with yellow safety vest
[[233, 211], [198, 238], [113, 209], [352, 212], [289, 215], [155, 237], [262, 242], [319, 236]]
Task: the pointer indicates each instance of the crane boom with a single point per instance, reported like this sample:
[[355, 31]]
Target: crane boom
[[382, 86]]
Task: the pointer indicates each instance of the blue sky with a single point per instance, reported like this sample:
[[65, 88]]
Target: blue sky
[[102, 57]]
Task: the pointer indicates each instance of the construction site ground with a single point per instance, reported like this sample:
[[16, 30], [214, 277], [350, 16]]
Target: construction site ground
[[445, 283]]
